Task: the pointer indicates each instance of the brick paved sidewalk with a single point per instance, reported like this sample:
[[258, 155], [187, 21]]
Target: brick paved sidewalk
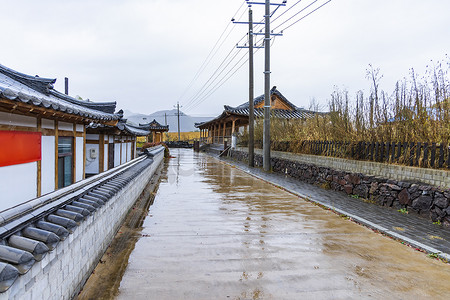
[[410, 228]]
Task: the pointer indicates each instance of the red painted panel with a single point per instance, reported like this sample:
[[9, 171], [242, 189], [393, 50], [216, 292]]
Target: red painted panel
[[19, 147]]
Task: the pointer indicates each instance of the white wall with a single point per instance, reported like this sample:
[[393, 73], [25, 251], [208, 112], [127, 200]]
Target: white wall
[[48, 164], [93, 137], [105, 164], [65, 126], [17, 120], [128, 151], [92, 163], [79, 159], [18, 184], [48, 124], [117, 154], [124, 153]]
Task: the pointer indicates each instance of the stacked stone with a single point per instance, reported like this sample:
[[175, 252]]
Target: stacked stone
[[426, 200]]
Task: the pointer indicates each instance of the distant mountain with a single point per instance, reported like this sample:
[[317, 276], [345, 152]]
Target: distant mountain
[[168, 117]]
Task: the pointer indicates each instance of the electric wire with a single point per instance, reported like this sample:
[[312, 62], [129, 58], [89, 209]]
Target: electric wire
[[224, 79], [295, 14], [215, 84], [211, 80], [198, 99], [200, 91], [307, 15], [209, 57], [284, 12]]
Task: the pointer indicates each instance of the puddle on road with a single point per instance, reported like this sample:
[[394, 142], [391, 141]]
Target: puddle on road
[[216, 232]]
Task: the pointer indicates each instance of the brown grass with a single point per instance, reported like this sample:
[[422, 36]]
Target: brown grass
[[418, 110]]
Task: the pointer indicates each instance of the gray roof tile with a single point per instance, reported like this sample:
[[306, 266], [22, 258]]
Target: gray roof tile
[[39, 92]]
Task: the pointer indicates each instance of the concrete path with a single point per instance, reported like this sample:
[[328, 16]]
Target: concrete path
[[410, 228], [214, 232]]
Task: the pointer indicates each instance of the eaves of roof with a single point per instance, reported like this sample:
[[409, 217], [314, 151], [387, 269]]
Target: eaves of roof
[[39, 92], [153, 126]]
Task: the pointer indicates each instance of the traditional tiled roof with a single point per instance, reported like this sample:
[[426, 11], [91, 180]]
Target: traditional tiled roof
[[244, 110], [123, 127], [133, 130], [153, 126], [37, 91], [260, 99]]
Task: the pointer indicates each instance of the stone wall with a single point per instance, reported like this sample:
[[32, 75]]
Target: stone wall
[[424, 199], [63, 271]]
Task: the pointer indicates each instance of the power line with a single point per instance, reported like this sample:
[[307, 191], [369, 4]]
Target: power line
[[214, 84], [307, 15], [211, 55], [201, 91], [286, 11], [224, 79], [199, 98], [296, 14]]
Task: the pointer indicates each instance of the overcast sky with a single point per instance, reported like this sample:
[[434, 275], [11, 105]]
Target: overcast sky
[[144, 53]]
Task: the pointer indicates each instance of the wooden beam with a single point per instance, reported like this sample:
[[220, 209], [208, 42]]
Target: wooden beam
[[18, 128], [39, 163], [84, 152], [74, 155], [224, 129], [56, 155], [101, 153], [120, 161]]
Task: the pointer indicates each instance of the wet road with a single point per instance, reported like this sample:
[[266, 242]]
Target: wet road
[[215, 232]]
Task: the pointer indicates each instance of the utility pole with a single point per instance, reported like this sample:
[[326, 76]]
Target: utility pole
[[251, 117], [251, 96], [165, 119], [266, 137], [178, 114], [267, 35]]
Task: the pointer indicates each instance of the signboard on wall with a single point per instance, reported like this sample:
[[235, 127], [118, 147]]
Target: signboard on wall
[[19, 147]]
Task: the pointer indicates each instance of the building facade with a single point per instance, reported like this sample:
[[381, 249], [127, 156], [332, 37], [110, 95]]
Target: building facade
[[236, 119], [110, 146], [42, 136], [156, 131]]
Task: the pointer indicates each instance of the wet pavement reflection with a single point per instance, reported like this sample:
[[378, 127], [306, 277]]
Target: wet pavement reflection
[[215, 232]]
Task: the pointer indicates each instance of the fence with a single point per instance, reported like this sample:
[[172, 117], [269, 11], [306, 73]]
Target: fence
[[424, 155]]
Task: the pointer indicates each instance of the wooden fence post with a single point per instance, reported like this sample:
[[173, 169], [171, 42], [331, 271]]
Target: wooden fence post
[[393, 152], [441, 155], [411, 154], [425, 155], [433, 154], [418, 152]]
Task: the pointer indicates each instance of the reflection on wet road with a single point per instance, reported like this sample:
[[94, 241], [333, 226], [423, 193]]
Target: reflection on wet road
[[215, 232]]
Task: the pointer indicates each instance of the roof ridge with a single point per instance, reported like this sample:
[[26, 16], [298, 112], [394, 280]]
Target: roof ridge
[[40, 84]]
